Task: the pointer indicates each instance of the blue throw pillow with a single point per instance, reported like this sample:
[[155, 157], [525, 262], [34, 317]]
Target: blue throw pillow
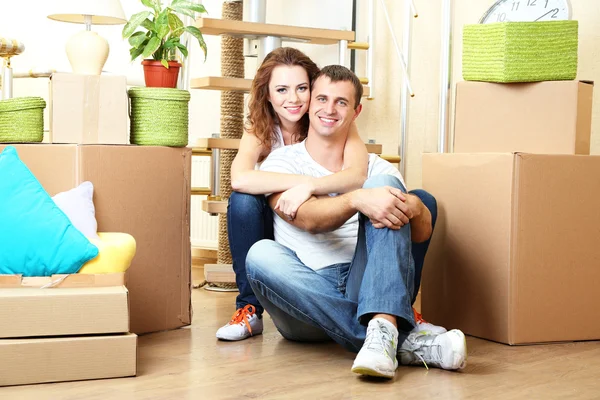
[[36, 237]]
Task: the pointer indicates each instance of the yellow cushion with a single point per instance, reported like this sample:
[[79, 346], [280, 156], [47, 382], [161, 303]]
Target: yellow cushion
[[115, 252]]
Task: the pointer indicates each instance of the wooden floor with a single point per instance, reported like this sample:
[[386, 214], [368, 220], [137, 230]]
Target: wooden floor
[[191, 364]]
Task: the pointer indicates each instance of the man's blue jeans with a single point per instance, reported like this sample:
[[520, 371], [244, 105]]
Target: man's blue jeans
[[337, 302]]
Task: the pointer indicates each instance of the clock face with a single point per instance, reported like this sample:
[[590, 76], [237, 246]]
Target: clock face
[[527, 11]]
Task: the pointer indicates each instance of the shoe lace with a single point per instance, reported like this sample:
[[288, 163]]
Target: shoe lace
[[241, 316], [424, 348], [377, 342]]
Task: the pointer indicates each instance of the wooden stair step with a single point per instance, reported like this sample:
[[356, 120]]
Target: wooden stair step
[[213, 26], [222, 273], [215, 206], [235, 84]]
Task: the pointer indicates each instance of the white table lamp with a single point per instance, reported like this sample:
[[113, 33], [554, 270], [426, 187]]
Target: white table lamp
[[87, 51]]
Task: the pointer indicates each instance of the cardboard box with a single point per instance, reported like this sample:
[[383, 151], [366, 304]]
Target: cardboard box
[[88, 109], [515, 256], [143, 191], [43, 360], [63, 280], [29, 312], [544, 117]]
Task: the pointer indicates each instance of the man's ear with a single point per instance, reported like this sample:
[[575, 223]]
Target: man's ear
[[357, 111]]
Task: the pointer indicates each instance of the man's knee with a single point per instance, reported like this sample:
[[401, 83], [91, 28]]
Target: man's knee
[[383, 180], [258, 256]]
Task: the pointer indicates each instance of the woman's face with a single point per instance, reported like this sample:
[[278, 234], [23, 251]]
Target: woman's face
[[289, 92]]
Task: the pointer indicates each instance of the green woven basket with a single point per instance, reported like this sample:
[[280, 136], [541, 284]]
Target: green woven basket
[[159, 116], [520, 51], [22, 120]]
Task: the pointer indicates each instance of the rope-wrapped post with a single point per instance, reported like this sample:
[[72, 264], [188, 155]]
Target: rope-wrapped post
[[232, 115]]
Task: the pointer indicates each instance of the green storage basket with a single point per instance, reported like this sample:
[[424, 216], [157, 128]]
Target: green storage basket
[[520, 51], [159, 116], [22, 120]]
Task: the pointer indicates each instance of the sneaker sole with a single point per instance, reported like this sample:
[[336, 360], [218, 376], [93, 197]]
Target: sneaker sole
[[237, 338], [373, 372]]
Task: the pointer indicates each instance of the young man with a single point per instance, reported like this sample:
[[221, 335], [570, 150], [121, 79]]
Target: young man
[[343, 268]]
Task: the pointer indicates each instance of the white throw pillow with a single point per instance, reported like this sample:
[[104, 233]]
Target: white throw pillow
[[78, 205]]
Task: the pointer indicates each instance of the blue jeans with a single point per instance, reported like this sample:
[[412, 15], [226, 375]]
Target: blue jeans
[[338, 301], [249, 219]]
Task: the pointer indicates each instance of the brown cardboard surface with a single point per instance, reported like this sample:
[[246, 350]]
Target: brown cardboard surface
[[143, 191], [552, 117], [88, 109], [63, 281], [515, 247], [43, 360], [28, 312]]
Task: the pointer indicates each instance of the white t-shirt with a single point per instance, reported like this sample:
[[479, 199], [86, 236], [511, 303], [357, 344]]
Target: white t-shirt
[[323, 249]]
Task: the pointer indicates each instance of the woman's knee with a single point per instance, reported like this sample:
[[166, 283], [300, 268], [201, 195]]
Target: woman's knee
[[243, 204]]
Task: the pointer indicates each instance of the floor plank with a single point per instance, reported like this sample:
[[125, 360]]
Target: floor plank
[[191, 364]]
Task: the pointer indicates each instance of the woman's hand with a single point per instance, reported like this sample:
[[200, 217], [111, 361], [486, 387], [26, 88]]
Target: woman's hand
[[293, 198]]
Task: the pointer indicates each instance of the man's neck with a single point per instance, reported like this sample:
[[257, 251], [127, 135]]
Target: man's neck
[[326, 151]]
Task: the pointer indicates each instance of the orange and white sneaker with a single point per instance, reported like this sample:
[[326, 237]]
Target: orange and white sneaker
[[243, 324], [426, 327]]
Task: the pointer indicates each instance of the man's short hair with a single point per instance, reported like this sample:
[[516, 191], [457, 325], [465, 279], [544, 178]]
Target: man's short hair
[[339, 73]]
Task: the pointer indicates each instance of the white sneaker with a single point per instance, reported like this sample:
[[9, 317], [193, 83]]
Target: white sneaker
[[377, 357], [243, 324], [426, 327], [447, 350]]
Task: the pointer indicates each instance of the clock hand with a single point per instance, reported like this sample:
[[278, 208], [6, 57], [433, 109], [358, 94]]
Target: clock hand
[[553, 10]]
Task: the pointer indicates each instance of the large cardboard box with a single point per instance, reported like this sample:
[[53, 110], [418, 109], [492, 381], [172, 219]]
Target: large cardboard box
[[552, 117], [44, 360], [88, 109], [143, 191], [29, 311], [515, 255]]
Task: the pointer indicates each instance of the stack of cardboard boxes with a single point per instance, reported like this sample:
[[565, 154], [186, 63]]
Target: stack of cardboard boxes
[[515, 255], [140, 190], [76, 330]]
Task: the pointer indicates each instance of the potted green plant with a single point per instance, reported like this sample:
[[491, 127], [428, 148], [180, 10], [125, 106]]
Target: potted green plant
[[160, 38]]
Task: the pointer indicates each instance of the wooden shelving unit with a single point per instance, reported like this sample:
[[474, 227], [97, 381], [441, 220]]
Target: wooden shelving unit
[[210, 26]]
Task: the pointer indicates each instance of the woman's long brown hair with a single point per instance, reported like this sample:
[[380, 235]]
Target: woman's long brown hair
[[262, 119]]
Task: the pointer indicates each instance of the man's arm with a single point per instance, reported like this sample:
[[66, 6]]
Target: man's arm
[[323, 214]]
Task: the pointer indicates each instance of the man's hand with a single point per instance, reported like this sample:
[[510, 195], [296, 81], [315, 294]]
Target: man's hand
[[290, 200], [414, 205], [384, 206]]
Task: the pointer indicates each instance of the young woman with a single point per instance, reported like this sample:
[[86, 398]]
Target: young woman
[[279, 100]]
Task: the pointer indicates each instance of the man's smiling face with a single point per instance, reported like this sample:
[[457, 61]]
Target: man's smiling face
[[332, 106]]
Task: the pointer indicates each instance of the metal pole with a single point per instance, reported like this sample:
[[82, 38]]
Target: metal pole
[[445, 77], [258, 10], [371, 50], [266, 45], [405, 94], [215, 173]]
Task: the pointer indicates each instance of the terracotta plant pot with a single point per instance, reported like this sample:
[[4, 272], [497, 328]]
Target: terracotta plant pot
[[156, 75]]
